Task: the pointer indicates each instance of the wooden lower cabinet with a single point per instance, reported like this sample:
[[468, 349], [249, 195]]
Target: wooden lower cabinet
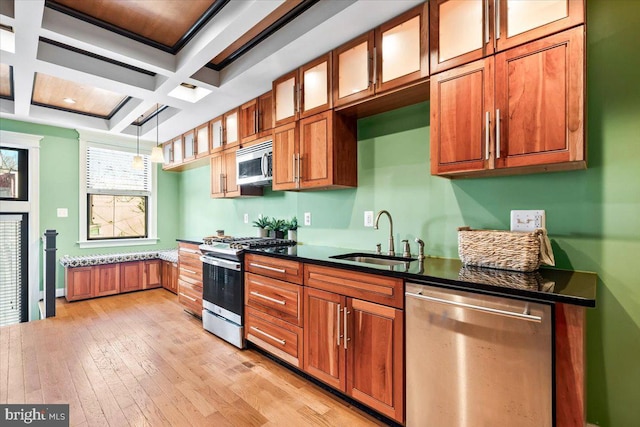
[[106, 280], [280, 338], [151, 274], [169, 276], [190, 278], [78, 283], [130, 276]]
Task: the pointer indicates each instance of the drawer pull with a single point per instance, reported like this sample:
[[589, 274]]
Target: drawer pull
[[189, 271], [279, 341], [278, 270], [191, 251], [259, 295], [188, 297]]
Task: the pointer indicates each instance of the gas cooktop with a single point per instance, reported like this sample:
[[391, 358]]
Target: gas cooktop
[[214, 245]]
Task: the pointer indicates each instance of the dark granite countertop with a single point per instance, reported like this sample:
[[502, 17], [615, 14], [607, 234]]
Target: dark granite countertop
[[547, 284], [197, 241]]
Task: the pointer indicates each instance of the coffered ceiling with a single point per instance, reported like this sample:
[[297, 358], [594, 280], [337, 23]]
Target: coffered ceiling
[[102, 64]]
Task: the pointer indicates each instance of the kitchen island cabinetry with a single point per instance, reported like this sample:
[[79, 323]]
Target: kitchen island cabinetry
[[273, 301], [532, 120]]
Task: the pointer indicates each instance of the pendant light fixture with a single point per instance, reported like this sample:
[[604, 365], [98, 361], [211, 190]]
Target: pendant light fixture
[[138, 164], [157, 156]]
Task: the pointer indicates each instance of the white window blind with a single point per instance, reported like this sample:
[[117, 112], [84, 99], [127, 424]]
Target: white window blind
[[11, 267], [110, 172]]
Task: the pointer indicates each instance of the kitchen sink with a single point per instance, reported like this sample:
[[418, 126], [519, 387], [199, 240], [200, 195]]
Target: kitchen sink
[[375, 259]]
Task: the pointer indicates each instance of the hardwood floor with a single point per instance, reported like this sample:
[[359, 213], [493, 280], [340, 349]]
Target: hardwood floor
[[137, 359]]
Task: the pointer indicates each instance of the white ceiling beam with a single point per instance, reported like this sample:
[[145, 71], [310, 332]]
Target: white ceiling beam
[[28, 16]]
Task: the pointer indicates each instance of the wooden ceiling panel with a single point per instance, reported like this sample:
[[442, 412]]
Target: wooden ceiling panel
[[51, 91], [163, 21], [6, 85]]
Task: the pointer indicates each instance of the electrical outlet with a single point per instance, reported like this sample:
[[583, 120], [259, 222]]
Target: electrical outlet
[[527, 220], [307, 218], [246, 218], [368, 218]]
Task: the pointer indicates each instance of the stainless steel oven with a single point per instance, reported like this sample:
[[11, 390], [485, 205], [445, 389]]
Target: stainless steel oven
[[223, 298]]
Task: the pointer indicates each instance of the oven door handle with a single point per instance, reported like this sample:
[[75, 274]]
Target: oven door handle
[[221, 263]]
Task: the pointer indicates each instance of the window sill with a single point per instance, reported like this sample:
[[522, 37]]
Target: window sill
[[116, 243]]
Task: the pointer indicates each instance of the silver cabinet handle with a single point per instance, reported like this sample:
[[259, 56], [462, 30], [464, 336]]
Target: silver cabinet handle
[[259, 295], [300, 97], [256, 125], [221, 136], [278, 340], [346, 338], [188, 271], [375, 66], [293, 167], [522, 316], [265, 267], [188, 297], [486, 21], [299, 157], [487, 122], [369, 74], [496, 24], [497, 134], [338, 336]]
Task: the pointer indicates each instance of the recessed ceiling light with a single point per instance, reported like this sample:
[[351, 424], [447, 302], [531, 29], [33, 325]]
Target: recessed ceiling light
[[69, 100]]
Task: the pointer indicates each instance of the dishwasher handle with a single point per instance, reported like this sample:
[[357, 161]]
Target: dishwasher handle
[[506, 313]]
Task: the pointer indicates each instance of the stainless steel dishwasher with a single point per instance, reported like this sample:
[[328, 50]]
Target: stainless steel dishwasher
[[477, 360]]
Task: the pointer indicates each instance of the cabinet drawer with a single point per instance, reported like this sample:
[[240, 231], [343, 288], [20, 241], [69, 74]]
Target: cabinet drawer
[[369, 287], [290, 271], [190, 296], [275, 336], [189, 274], [275, 297]]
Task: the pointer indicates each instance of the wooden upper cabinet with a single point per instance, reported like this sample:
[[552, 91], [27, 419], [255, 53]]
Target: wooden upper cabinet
[[231, 187], [286, 92], [353, 67], [167, 150], [540, 102], [461, 107], [202, 142], [189, 145], [316, 80], [402, 49], [285, 157], [522, 110], [459, 32], [256, 118], [462, 31], [217, 175], [231, 130], [178, 152], [521, 21], [217, 135]]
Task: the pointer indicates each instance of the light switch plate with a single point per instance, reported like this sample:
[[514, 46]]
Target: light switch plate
[[62, 212], [527, 220], [246, 218], [368, 218], [307, 218]]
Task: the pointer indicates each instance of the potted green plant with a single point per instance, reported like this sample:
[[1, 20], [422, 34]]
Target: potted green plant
[[292, 227], [263, 224], [278, 226]]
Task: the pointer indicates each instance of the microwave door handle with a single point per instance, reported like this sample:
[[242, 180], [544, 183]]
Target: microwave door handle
[[265, 165]]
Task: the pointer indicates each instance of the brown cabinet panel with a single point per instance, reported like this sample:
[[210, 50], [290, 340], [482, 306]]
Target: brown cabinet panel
[[278, 268], [106, 279], [231, 188], [277, 337], [285, 152], [324, 353], [190, 297], [370, 287], [170, 276], [131, 276], [540, 97], [256, 118], [78, 283], [461, 103], [217, 175], [375, 357], [274, 297], [151, 274]]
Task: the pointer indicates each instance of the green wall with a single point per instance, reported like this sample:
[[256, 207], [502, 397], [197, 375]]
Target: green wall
[[593, 216], [59, 174]]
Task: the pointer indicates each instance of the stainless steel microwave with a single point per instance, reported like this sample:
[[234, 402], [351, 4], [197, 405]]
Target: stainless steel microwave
[[255, 164]]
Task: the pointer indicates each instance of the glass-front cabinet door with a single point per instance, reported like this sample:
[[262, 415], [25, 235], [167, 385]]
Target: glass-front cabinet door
[[353, 70], [217, 137], [521, 21], [285, 98], [231, 129], [189, 139], [167, 149], [202, 140], [177, 150], [316, 86], [401, 47]]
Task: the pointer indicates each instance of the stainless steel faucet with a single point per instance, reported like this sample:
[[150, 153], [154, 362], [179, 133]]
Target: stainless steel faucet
[[420, 248], [392, 250]]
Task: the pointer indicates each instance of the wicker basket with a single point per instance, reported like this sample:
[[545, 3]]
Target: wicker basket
[[506, 250]]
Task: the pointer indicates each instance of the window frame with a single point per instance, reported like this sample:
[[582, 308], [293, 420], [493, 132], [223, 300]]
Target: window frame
[[23, 174], [88, 223], [88, 139]]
